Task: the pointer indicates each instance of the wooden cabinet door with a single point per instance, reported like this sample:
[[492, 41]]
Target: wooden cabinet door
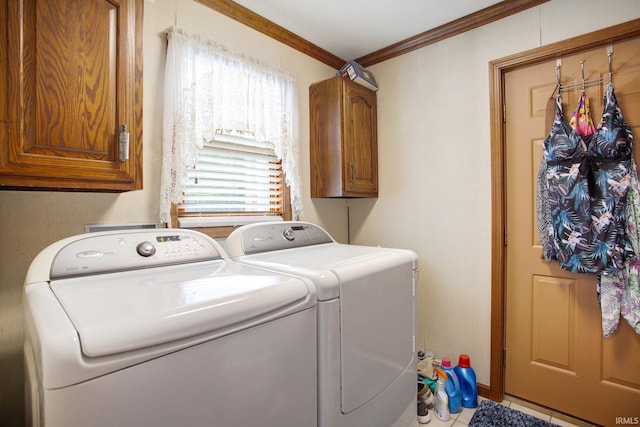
[[360, 141], [343, 140], [71, 76]]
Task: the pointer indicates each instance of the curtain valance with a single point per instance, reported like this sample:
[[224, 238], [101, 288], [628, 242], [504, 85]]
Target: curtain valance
[[207, 88]]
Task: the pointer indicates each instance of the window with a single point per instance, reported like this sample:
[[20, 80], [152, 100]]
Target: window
[[207, 88], [236, 179]]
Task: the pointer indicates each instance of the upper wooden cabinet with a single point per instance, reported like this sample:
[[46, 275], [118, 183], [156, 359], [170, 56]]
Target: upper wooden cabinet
[[70, 77], [344, 139]]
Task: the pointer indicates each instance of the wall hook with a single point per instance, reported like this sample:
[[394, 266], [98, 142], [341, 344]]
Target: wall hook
[[609, 55]]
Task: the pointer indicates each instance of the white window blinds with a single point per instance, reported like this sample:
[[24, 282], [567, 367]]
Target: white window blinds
[[234, 175]]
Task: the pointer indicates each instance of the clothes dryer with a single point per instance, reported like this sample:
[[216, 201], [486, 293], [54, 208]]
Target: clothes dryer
[[159, 328], [366, 318]]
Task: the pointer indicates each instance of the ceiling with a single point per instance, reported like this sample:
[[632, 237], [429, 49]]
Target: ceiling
[[350, 29]]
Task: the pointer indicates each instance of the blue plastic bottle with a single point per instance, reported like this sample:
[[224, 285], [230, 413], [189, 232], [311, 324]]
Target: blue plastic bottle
[[452, 386], [467, 379]]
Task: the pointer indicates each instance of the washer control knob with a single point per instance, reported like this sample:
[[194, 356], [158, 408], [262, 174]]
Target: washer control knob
[[288, 234], [146, 249]]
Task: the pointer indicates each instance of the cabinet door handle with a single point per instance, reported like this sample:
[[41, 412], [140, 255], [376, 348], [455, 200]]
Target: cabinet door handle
[[352, 170], [123, 144]]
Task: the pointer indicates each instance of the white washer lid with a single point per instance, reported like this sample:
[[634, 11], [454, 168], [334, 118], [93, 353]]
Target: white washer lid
[[123, 311]]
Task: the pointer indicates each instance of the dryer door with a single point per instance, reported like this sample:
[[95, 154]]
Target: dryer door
[[377, 304]]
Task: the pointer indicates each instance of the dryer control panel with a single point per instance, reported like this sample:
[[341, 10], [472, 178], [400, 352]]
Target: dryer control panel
[[101, 253], [268, 237]]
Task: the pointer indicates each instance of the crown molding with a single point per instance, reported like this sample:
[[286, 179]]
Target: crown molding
[[450, 29], [485, 16], [251, 19]]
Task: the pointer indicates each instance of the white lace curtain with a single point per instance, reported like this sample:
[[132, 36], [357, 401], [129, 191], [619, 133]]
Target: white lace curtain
[[206, 89]]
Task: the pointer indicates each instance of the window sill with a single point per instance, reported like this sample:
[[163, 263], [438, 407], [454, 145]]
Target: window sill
[[224, 221]]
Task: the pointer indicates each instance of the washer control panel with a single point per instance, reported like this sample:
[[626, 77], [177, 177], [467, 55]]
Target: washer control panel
[[101, 253], [267, 237]]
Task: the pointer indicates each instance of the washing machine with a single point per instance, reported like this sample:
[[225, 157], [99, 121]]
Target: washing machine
[[159, 328], [366, 318]]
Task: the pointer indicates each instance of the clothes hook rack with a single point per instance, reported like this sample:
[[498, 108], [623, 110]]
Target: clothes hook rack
[[584, 83]]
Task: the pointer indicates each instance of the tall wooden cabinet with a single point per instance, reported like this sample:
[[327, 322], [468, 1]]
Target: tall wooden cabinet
[[70, 79], [343, 139]]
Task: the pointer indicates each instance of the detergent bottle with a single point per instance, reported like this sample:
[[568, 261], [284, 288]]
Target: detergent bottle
[[441, 401], [452, 386], [467, 379]]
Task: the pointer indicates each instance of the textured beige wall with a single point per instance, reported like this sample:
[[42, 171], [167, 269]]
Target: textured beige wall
[[435, 168]]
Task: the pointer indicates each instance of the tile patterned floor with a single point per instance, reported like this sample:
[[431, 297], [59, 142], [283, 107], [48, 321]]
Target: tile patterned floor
[[462, 418]]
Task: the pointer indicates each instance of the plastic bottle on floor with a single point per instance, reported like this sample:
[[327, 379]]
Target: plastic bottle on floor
[[452, 386], [467, 379], [441, 401]]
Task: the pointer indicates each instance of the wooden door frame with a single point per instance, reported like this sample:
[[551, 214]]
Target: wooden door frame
[[497, 71]]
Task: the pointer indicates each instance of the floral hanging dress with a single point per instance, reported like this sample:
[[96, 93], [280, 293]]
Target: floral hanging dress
[[619, 294], [583, 125], [587, 181]]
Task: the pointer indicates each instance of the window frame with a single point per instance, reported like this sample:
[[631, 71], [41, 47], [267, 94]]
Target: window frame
[[223, 231]]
